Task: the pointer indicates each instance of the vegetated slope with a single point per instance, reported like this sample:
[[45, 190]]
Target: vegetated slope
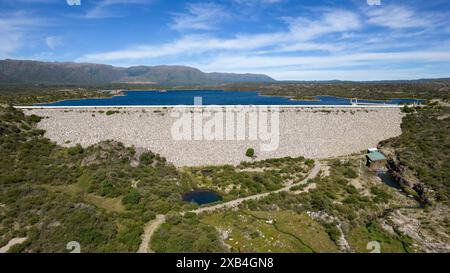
[[424, 148], [53, 195], [34, 72], [100, 196], [347, 200], [15, 71], [34, 94]]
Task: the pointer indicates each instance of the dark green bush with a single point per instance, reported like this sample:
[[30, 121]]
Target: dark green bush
[[77, 149], [111, 112], [34, 119], [407, 109], [332, 231], [132, 197], [250, 152], [147, 158]]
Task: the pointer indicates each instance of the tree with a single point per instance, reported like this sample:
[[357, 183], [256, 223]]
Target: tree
[[250, 152], [35, 119], [111, 112], [147, 158], [132, 197], [77, 149]]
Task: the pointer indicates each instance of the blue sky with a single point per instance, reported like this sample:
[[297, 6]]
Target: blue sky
[[285, 39]]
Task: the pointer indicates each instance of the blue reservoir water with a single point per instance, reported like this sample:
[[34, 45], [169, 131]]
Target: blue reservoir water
[[202, 197], [209, 97]]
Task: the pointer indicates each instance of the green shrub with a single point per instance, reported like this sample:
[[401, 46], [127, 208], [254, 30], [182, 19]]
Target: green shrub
[[250, 152], [309, 162], [407, 109], [107, 188], [332, 231], [350, 173], [25, 127], [190, 214], [110, 112], [77, 149], [34, 119], [381, 196], [131, 198], [147, 158], [173, 219], [186, 236]]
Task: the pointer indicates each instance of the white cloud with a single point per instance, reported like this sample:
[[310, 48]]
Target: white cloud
[[356, 66], [398, 17], [347, 50], [200, 16], [10, 42], [13, 30], [53, 41], [309, 46], [246, 62], [257, 2], [103, 8], [16, 20], [298, 30], [372, 74], [331, 22]]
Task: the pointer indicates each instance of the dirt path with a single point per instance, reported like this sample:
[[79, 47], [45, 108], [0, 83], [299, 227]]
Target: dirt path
[[154, 224], [315, 170], [306, 189], [11, 243], [149, 229]]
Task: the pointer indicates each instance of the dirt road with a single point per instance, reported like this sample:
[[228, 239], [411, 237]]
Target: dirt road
[[149, 229], [154, 224], [315, 170], [11, 243]]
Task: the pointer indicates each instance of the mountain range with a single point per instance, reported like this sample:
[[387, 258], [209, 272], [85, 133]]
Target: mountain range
[[35, 72]]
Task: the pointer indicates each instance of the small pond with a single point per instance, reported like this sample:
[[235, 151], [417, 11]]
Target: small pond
[[387, 179], [202, 197]]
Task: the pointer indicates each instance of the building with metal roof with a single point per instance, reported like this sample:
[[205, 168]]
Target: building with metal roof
[[376, 156], [376, 160]]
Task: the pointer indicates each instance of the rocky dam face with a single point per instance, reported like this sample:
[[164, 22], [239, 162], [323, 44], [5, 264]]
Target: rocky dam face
[[193, 136]]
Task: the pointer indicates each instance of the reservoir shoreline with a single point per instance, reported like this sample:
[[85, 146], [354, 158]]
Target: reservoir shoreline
[[374, 106], [213, 98]]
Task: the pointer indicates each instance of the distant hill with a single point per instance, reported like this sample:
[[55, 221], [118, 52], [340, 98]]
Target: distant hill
[[431, 80], [35, 72]]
